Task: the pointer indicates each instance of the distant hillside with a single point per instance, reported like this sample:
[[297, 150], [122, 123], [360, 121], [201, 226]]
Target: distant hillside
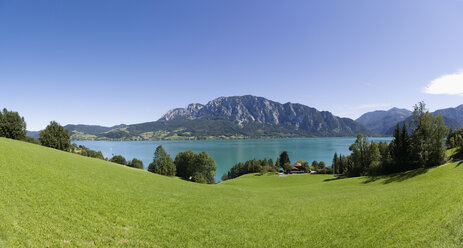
[[449, 122], [380, 121], [452, 113], [384, 122], [229, 118], [33, 134], [82, 131], [90, 129]]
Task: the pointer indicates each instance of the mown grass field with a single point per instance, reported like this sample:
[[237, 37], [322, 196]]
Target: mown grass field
[[50, 198]]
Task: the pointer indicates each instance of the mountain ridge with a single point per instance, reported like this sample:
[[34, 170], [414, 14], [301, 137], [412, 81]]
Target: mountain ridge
[[229, 118], [248, 108], [383, 122], [380, 121]]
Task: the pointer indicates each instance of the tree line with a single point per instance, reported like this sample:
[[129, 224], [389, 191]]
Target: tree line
[[195, 167], [420, 145], [134, 163], [282, 164]]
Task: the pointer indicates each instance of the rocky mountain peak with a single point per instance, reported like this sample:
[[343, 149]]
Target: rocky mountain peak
[[249, 109]]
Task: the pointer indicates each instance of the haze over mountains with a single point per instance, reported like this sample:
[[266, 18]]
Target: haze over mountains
[[254, 117]]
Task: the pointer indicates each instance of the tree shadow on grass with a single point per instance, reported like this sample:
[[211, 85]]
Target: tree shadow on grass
[[459, 163], [398, 177], [334, 179]]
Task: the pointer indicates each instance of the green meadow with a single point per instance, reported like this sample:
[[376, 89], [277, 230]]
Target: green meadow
[[50, 198]]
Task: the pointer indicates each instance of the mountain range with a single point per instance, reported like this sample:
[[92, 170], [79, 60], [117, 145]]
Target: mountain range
[[384, 122], [253, 117], [228, 118], [381, 121]]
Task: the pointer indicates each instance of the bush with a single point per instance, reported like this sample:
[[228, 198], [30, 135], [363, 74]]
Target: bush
[[135, 163], [119, 159], [84, 151], [250, 166], [31, 140]]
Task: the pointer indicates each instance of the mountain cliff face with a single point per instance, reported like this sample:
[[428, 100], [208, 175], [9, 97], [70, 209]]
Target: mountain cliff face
[[188, 113], [229, 118], [381, 121], [249, 109]]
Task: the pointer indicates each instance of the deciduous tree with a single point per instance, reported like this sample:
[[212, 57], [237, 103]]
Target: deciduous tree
[[55, 136], [162, 163], [12, 125]]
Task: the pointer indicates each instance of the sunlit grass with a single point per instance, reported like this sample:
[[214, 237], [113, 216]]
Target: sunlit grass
[[51, 198]]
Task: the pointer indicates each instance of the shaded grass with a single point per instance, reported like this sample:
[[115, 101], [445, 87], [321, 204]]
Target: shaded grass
[[50, 198], [396, 177]]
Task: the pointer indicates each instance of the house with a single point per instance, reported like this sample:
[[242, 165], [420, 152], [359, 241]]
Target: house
[[297, 168]]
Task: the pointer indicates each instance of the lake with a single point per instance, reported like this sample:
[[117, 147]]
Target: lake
[[227, 153]]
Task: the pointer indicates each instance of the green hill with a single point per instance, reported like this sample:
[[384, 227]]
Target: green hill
[[50, 198]]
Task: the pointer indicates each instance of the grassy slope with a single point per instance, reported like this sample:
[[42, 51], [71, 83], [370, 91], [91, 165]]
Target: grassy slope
[[53, 198]]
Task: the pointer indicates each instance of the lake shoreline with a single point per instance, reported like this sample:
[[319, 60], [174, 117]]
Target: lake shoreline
[[227, 153]]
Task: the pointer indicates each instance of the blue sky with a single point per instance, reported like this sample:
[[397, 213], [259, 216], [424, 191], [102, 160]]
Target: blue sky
[[112, 62]]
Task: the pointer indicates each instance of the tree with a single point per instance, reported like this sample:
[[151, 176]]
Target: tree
[[359, 157], [453, 137], [304, 165], [286, 168], [458, 143], [162, 163], [277, 165], [428, 138], [400, 149], [270, 162], [118, 159], [386, 160], [204, 168], [284, 158], [12, 125], [183, 162], [285, 163], [55, 136], [374, 160], [344, 162], [334, 164], [135, 163], [195, 167]]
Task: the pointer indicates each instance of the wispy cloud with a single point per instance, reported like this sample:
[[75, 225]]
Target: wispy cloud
[[449, 84]]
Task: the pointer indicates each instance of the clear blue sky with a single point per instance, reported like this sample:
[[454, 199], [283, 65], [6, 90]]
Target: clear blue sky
[[112, 62]]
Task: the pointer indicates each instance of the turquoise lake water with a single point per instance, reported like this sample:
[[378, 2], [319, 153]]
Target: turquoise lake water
[[227, 153]]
